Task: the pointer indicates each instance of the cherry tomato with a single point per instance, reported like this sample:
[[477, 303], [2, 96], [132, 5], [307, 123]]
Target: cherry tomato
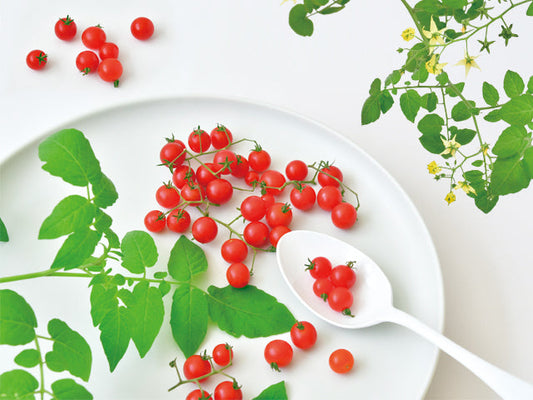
[[241, 167], [234, 250], [251, 178], [172, 154], [322, 287], [303, 198], [341, 361], [108, 50], [340, 299], [65, 28], [167, 196], [93, 37], [221, 137], [343, 275], [155, 221], [207, 172], [256, 234], [273, 182], [204, 229], [328, 197], [259, 160], [344, 215], [276, 233], [182, 175], [178, 220], [303, 335], [330, 175], [238, 275], [319, 267], [196, 366], [142, 28], [222, 354], [227, 159], [268, 199], [296, 170], [253, 208], [198, 395], [199, 140], [228, 390], [279, 214], [110, 70], [36, 59], [192, 194], [278, 353], [219, 191], [87, 61]]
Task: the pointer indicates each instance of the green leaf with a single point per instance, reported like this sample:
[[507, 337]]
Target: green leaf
[[276, 391], [28, 358], [513, 84], [529, 11], [509, 175], [385, 101], [493, 116], [147, 312], [68, 155], [455, 90], [371, 110], [490, 94], [330, 10], [417, 55], [462, 111], [299, 22], [464, 136], [484, 202], [102, 221], [138, 251], [76, 249], [473, 176], [454, 4], [429, 101], [160, 275], [530, 82], [432, 143], [164, 288], [115, 335], [442, 78], [186, 260], [70, 351], [477, 163], [104, 191], [188, 318], [410, 104], [375, 87], [4, 237], [431, 124], [103, 301], [17, 320], [528, 161], [112, 238], [518, 110], [512, 141], [421, 74], [71, 214], [310, 5], [67, 389], [18, 385], [248, 311]]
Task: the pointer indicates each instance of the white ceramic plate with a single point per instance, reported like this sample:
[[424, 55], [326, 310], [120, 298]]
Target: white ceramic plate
[[391, 362]]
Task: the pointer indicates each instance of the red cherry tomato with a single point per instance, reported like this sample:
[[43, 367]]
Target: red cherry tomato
[[142, 28], [303, 198], [276, 233], [155, 221], [192, 194], [238, 275], [319, 267], [198, 395], [219, 191], [256, 234], [110, 70], [273, 182], [36, 59], [279, 214], [227, 159], [222, 354], [296, 170], [328, 197], [234, 250], [341, 361], [108, 50], [228, 390], [253, 208], [268, 199], [199, 140], [330, 176], [172, 154], [251, 178], [221, 137], [241, 167], [340, 299], [196, 366], [87, 61], [343, 275], [178, 220], [167, 196], [93, 37], [344, 215], [183, 175], [207, 172], [65, 28], [322, 287], [303, 335], [204, 229], [259, 160], [278, 353]]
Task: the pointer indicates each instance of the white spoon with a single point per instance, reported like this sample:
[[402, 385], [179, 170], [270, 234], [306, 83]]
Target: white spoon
[[373, 303]]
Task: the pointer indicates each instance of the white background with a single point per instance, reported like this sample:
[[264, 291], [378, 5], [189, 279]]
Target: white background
[[245, 49]]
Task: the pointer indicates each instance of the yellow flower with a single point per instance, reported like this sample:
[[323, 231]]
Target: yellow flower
[[484, 149], [465, 186], [434, 35], [433, 67], [468, 62], [433, 168], [408, 34], [450, 146], [450, 198]]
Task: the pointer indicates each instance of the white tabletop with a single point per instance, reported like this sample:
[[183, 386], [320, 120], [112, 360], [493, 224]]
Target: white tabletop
[[246, 49]]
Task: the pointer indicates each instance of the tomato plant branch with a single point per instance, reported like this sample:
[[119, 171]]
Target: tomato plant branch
[[41, 367]]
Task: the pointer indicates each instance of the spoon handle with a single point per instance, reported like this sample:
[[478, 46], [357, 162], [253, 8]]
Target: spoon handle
[[503, 383]]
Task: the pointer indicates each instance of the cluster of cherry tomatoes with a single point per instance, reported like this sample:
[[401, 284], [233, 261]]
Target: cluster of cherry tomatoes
[[333, 284], [206, 172], [106, 62]]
